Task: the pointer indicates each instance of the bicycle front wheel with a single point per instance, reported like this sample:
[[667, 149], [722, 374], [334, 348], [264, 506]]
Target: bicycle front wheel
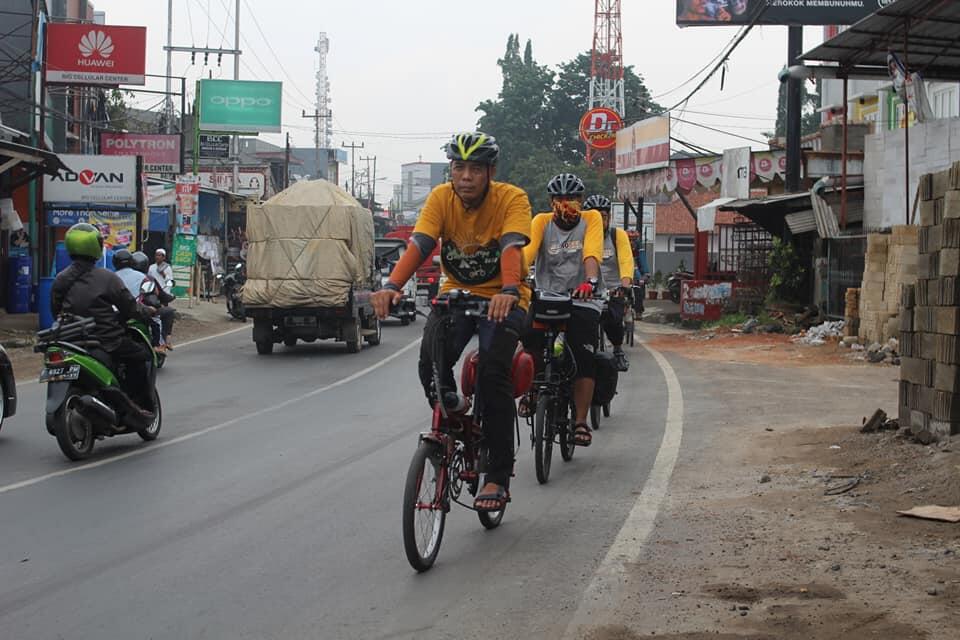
[[543, 432], [424, 508]]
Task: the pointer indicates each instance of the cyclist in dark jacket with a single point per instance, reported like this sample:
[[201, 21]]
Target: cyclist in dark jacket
[[88, 291]]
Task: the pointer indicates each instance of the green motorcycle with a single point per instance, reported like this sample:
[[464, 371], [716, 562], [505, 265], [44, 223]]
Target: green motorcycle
[[85, 398]]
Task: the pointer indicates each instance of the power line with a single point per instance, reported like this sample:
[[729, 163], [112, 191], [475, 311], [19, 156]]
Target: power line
[[727, 133], [702, 69], [253, 51], [283, 68], [736, 43]]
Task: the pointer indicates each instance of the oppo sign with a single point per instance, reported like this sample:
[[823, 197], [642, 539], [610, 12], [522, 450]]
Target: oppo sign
[[240, 106]]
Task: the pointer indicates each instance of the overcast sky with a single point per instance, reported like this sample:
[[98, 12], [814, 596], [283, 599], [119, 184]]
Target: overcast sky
[[404, 74]]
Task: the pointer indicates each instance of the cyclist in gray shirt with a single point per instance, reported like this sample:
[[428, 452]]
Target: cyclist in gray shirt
[[566, 247]]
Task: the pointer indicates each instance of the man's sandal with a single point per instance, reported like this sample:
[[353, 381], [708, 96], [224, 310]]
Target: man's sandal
[[527, 405], [582, 435], [501, 496]]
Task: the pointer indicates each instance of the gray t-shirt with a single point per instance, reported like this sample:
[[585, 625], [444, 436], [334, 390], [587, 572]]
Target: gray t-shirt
[[610, 267], [132, 279], [559, 265]]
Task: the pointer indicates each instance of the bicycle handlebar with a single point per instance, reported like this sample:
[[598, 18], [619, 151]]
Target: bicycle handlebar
[[461, 301]]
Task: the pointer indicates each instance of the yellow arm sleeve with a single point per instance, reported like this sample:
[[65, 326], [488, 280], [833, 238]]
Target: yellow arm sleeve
[[537, 226], [593, 240], [624, 254]]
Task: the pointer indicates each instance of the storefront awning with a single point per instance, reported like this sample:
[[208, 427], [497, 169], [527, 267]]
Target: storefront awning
[[33, 161], [923, 32], [707, 214]]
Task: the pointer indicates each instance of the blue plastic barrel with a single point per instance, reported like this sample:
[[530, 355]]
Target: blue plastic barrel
[[20, 284], [107, 261], [62, 260], [43, 302]]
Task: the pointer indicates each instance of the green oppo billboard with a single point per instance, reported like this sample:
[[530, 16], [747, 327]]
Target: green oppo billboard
[[239, 106]]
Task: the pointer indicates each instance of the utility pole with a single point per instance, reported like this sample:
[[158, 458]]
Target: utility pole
[[370, 189], [794, 51], [286, 163], [235, 52], [353, 165], [236, 76], [169, 105], [316, 116]]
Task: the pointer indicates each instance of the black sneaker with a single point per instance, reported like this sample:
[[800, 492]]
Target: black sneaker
[[621, 359]]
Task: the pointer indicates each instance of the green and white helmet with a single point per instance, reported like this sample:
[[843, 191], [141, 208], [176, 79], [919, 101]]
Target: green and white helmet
[[475, 146], [84, 240]]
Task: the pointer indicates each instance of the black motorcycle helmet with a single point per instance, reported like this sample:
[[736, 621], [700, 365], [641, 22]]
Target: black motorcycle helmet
[[122, 259], [140, 262], [565, 185]]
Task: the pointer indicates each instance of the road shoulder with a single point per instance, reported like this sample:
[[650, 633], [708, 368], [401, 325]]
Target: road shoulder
[[749, 546]]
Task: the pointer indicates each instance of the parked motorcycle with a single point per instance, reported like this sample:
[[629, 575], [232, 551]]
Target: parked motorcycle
[[232, 287], [85, 398], [675, 283], [8, 387]]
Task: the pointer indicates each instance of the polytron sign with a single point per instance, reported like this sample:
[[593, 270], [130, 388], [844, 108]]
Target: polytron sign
[[598, 127], [96, 54], [240, 106]]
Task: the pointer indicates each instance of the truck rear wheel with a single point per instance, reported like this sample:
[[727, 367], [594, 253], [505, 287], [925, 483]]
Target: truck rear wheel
[[265, 348], [374, 339], [353, 335]]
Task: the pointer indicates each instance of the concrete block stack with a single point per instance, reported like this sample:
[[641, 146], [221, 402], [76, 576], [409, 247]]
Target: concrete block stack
[[930, 321], [890, 264]]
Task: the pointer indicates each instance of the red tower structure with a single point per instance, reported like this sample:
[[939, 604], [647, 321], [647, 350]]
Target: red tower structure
[[606, 75]]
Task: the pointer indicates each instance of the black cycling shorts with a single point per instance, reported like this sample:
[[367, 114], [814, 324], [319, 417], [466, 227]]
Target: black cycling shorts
[[580, 335]]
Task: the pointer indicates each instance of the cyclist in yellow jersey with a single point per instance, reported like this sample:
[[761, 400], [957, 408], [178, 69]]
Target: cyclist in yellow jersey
[[566, 247], [482, 226], [617, 274]]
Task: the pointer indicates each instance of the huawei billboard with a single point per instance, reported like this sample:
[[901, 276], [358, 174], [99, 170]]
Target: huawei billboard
[[96, 54]]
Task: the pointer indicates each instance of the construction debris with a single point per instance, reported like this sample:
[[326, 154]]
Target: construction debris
[[821, 333], [933, 512]]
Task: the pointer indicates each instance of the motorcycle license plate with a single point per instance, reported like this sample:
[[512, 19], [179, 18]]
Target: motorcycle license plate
[[58, 374]]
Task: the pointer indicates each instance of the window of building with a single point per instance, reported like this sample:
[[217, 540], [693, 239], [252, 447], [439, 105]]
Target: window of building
[[683, 243], [946, 103]]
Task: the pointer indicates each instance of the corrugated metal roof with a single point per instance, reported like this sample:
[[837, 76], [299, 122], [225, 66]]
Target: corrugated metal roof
[[922, 32]]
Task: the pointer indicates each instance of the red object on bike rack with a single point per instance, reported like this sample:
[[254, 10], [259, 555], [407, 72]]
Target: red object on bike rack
[[521, 372]]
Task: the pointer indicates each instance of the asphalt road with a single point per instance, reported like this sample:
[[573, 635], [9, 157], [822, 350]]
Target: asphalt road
[[270, 508]]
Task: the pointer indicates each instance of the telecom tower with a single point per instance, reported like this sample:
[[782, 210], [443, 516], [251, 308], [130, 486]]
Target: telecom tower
[[606, 75], [324, 130]]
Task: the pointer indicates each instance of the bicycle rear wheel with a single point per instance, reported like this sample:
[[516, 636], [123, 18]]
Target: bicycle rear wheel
[[594, 416], [543, 433], [567, 443], [424, 511]]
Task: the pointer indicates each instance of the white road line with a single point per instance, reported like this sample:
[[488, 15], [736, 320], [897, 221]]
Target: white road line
[[604, 593], [181, 345], [162, 444]]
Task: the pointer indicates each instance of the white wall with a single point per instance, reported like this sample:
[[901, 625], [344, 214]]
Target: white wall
[[934, 146]]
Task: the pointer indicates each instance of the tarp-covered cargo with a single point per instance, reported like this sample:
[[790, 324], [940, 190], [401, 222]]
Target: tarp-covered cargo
[[308, 245]]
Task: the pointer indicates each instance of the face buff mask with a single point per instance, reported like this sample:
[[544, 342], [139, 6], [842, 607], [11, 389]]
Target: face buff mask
[[566, 213]]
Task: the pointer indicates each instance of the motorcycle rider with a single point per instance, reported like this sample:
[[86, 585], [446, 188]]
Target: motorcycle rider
[[85, 290], [141, 264], [566, 247], [123, 266], [617, 272], [482, 226]]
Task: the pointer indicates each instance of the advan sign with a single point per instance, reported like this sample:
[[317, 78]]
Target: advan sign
[[93, 180], [96, 54]]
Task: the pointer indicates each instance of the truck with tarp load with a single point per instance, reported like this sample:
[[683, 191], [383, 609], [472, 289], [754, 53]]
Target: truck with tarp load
[[311, 268]]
